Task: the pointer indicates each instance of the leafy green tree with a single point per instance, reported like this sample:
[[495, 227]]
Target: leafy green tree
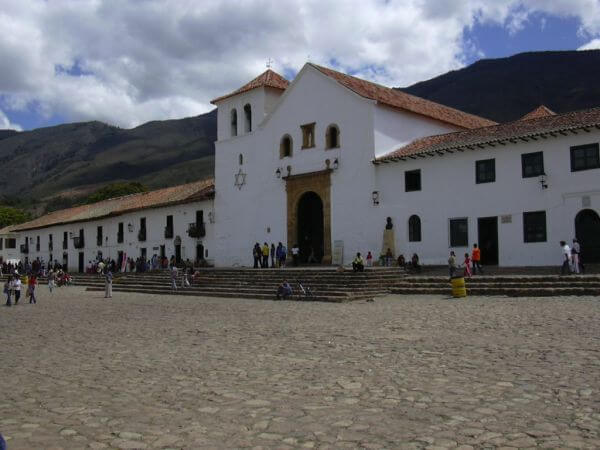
[[116, 190], [12, 216]]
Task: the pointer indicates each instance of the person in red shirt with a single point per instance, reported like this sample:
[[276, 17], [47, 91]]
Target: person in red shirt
[[31, 284], [476, 259]]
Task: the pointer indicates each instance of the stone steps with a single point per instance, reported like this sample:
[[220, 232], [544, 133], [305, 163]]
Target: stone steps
[[510, 292], [327, 285]]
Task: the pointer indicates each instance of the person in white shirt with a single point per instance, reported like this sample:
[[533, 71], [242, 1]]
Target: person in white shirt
[[566, 258], [17, 289]]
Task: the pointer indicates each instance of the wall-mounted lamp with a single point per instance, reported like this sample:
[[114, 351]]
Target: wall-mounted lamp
[[289, 170], [211, 217], [327, 163], [375, 197], [543, 181], [336, 164], [130, 227], [278, 173]]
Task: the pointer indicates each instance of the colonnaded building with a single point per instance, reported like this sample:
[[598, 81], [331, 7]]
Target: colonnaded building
[[324, 161]]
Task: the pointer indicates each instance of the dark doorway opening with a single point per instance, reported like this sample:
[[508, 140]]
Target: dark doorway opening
[[310, 228], [163, 252], [119, 260], [81, 263], [177, 253], [487, 232], [199, 252], [587, 232], [65, 262]]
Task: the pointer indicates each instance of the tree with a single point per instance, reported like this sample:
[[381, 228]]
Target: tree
[[115, 190], [12, 216]]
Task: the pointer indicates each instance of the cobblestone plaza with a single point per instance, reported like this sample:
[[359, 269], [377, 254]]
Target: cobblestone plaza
[[144, 371]]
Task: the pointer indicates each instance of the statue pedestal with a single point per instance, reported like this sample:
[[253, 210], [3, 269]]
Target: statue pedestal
[[388, 242]]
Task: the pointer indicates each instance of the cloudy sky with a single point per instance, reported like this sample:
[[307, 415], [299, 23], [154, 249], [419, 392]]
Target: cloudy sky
[[127, 62]]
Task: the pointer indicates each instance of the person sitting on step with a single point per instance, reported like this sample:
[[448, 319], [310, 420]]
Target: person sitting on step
[[284, 290], [358, 264]]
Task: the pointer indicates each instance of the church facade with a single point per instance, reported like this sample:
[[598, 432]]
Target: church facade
[[323, 162]]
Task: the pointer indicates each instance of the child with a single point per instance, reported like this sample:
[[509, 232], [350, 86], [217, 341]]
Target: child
[[369, 259], [452, 264], [467, 265]]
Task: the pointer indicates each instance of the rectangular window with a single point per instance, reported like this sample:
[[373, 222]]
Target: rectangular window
[[412, 180], [534, 226], [99, 237], [1, 241], [459, 232], [584, 157], [532, 164], [308, 135], [120, 233], [11, 243], [485, 171], [37, 244]]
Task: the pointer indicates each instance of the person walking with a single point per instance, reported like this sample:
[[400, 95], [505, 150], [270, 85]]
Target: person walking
[[31, 284], [6, 290], [476, 260], [369, 259], [265, 256], [17, 289], [452, 264], [108, 277], [51, 278], [467, 265], [174, 278], [565, 268]]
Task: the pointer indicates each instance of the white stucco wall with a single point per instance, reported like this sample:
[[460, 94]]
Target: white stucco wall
[[394, 129], [449, 191], [257, 212], [156, 221]]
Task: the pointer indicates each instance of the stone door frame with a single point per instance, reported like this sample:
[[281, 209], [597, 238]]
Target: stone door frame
[[298, 185]]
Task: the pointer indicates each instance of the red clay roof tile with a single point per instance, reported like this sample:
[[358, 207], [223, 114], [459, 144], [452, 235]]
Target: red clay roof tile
[[398, 99], [540, 111], [268, 78], [184, 193], [520, 129]]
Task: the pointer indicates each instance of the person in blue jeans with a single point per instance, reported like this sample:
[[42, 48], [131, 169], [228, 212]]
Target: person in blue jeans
[[6, 290]]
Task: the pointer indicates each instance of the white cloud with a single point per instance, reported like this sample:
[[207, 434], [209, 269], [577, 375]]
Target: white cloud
[[594, 44], [6, 124], [127, 62]]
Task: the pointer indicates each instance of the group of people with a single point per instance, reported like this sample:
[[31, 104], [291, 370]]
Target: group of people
[[277, 255], [358, 264], [571, 262], [13, 285], [471, 264]]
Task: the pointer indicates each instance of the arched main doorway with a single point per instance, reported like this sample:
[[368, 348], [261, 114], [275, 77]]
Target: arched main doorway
[[587, 231], [310, 227]]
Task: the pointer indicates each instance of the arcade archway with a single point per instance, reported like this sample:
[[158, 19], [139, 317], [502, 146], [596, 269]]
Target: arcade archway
[[587, 231]]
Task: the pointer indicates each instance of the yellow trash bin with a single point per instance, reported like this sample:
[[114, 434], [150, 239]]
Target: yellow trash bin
[[458, 287]]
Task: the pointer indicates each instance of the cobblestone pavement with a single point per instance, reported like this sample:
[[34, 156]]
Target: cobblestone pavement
[[140, 371]]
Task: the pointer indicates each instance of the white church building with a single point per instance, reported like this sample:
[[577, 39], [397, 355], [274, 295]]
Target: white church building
[[323, 161]]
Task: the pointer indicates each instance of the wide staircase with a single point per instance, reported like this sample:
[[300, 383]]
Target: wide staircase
[[509, 285], [326, 284]]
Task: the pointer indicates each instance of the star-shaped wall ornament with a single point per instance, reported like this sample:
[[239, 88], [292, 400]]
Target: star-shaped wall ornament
[[240, 179]]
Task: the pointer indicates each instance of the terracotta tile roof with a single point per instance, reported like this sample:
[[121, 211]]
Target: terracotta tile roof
[[268, 78], [540, 111], [7, 230], [184, 193], [523, 130], [398, 99]]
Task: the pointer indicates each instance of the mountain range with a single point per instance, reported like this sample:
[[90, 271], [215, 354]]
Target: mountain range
[[71, 160]]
